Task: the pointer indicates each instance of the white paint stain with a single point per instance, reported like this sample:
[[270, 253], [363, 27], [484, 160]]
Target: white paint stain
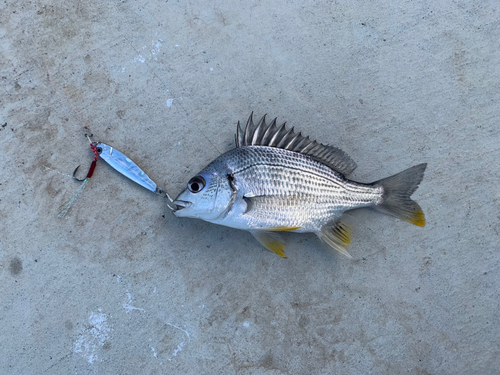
[[151, 52], [118, 279], [183, 330], [154, 351], [211, 69], [181, 345], [246, 324], [169, 102], [92, 336], [129, 307], [179, 348], [156, 47], [140, 59]]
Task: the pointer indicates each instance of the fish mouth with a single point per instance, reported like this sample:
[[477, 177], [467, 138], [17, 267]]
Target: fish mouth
[[181, 205]]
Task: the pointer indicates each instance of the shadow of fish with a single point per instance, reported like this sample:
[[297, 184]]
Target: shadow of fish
[[276, 180]]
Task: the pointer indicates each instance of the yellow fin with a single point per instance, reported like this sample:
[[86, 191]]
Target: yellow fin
[[281, 229], [271, 241], [337, 236], [397, 191], [417, 217]]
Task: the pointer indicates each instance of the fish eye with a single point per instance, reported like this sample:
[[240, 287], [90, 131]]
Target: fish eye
[[196, 184], [99, 150]]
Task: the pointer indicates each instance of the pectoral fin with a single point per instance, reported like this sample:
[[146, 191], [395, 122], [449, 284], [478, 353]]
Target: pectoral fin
[[271, 241], [337, 235]]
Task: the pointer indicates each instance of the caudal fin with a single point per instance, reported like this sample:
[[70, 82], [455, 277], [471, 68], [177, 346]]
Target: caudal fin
[[397, 191]]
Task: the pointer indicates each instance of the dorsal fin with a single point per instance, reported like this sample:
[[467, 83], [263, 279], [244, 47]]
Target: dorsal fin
[[272, 135]]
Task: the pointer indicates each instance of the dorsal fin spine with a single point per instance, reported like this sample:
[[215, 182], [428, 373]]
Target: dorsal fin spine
[[249, 129], [279, 137], [284, 139], [308, 147], [269, 131], [258, 131], [302, 144], [290, 144], [276, 135], [238, 135], [314, 148]]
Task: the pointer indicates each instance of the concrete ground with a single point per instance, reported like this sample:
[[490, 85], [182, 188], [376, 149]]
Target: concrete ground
[[121, 286]]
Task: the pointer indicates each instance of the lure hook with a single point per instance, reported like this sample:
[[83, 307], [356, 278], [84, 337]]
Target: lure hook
[[65, 209], [93, 146], [89, 174]]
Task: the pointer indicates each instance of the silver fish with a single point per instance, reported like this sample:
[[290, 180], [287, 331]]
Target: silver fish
[[276, 180]]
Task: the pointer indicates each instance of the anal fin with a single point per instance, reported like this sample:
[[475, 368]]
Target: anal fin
[[271, 241], [337, 235]]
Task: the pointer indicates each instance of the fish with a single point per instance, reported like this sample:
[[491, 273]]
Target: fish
[[276, 180]]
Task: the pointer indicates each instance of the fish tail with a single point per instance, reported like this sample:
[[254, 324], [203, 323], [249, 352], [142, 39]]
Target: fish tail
[[397, 190]]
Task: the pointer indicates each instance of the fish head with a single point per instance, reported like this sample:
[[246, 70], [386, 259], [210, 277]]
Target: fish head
[[208, 195]]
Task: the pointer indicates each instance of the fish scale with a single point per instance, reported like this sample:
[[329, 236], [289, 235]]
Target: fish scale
[[297, 175], [285, 175], [276, 180]]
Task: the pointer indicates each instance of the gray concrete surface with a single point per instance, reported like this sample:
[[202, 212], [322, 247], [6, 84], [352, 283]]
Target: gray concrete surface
[[121, 286]]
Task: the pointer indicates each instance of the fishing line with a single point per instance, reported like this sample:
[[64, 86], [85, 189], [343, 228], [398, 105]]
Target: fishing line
[[66, 208]]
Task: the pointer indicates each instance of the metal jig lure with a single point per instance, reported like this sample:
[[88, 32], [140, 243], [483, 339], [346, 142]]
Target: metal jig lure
[[123, 164]]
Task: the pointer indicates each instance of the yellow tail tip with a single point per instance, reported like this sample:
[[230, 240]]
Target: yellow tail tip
[[417, 218]]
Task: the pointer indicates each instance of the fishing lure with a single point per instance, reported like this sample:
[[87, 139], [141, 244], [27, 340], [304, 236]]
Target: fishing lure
[[123, 164]]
